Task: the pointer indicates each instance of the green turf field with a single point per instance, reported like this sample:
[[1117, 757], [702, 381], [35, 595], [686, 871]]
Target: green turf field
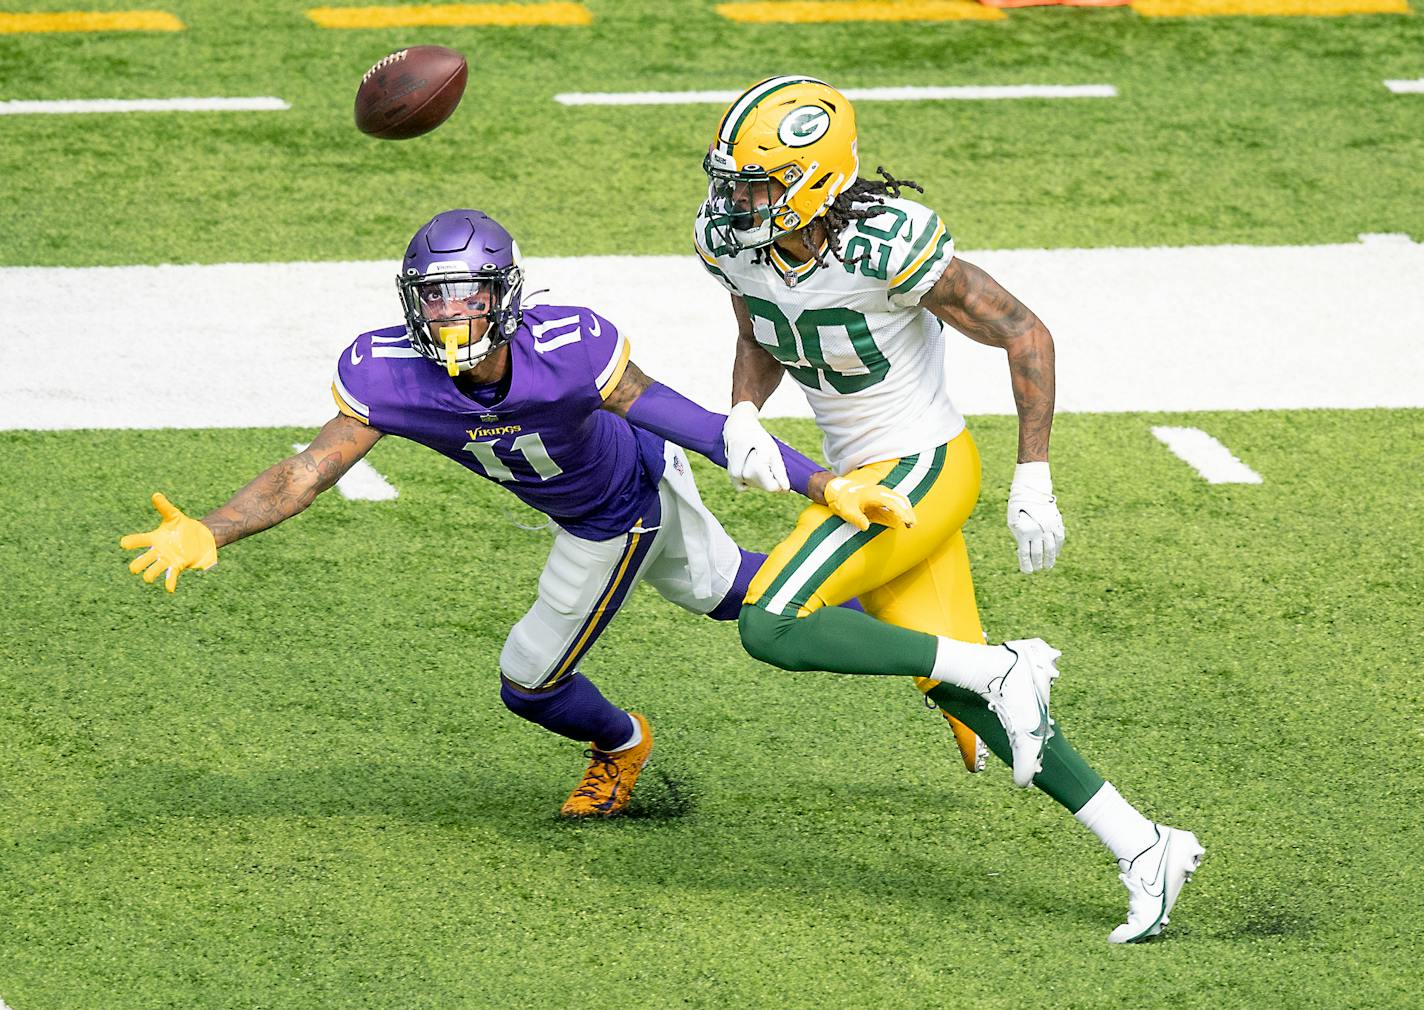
[[1256, 130], [292, 784]]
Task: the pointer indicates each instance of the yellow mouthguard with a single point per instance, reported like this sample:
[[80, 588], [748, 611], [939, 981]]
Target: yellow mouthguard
[[453, 337]]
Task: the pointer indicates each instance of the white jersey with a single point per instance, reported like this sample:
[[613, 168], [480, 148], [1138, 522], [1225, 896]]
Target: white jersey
[[869, 359]]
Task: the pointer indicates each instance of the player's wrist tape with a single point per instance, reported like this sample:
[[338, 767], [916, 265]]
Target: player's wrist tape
[[1033, 478]]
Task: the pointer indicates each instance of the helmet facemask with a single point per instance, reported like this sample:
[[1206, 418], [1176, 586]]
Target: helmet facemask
[[752, 207], [444, 306]]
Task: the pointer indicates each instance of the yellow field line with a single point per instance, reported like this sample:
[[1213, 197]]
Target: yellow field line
[[89, 21], [452, 15], [1285, 8], [820, 11]]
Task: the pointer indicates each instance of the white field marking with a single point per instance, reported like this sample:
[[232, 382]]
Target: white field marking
[[1195, 328], [1406, 87], [958, 92], [1206, 456], [68, 106], [1386, 237], [363, 482]]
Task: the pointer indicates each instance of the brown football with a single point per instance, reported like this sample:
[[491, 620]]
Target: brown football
[[410, 92]]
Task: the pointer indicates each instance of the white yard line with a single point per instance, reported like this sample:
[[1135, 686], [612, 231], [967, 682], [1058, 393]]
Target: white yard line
[[1196, 328], [908, 94], [1385, 238], [71, 106], [363, 482], [1206, 456], [1415, 87]]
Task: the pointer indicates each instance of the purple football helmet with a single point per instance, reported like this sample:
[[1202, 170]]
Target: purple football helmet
[[460, 266]]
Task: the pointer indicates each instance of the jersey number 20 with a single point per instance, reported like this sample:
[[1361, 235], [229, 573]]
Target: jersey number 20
[[809, 325]]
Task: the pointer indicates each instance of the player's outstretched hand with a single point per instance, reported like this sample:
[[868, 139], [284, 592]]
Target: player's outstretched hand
[[860, 504], [1034, 519], [174, 545], [753, 457]]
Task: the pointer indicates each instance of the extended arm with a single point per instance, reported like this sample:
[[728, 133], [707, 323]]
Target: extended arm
[[180, 542], [664, 411], [976, 305], [288, 487]]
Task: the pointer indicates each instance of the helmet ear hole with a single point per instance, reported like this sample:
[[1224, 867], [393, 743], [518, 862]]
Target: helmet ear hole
[[821, 181]]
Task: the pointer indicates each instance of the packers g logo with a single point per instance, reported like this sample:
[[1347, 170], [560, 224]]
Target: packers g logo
[[804, 126]]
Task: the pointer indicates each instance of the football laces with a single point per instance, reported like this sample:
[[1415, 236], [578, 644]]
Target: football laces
[[385, 61]]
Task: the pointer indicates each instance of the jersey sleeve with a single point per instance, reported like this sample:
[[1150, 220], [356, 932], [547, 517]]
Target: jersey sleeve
[[705, 243], [919, 253], [608, 353], [350, 385]]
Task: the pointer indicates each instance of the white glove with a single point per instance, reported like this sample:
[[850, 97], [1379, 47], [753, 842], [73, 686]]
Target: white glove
[[753, 457], [1034, 519]]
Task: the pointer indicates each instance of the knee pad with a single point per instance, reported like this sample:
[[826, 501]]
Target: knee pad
[[525, 660]]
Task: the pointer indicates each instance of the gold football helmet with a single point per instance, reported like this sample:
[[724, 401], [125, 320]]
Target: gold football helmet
[[785, 149]]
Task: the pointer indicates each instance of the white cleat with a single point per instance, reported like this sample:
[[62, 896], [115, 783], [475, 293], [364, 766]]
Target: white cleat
[[1020, 699], [1154, 878]]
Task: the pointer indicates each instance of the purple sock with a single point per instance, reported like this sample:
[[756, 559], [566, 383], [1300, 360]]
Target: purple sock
[[731, 606], [575, 709]]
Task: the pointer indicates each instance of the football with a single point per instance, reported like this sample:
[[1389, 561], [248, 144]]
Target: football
[[410, 92]]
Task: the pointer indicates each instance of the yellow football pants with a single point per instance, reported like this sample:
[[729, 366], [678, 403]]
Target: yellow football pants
[[917, 578]]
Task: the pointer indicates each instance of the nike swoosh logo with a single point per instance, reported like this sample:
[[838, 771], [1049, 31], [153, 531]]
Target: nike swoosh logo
[[597, 330], [356, 359], [1158, 879], [1043, 724]]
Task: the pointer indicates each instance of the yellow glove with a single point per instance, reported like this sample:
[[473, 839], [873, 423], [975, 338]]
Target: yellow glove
[[175, 544], [860, 504]]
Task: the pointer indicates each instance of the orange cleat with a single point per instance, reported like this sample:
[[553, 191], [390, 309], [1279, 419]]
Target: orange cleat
[[971, 748], [607, 784]]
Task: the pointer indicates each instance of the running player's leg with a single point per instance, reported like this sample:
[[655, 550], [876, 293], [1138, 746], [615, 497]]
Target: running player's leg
[[949, 610], [791, 620], [787, 622], [938, 597], [581, 588]]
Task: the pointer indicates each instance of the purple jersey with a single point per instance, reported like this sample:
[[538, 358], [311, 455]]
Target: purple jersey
[[548, 440]]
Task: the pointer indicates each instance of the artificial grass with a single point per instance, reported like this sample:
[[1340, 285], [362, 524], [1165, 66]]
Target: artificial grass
[[292, 783], [1254, 130]]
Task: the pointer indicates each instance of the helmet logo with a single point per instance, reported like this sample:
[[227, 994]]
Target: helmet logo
[[447, 267], [804, 126]]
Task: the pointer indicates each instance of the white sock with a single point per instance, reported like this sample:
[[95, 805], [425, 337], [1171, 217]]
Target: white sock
[[1117, 823], [969, 666], [633, 740]]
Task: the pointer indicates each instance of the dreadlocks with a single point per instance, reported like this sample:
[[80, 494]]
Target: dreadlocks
[[860, 201]]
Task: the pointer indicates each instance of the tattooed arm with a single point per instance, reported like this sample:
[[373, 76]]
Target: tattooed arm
[[755, 373], [974, 304], [288, 487]]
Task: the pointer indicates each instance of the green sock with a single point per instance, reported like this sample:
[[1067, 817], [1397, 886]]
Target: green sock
[[837, 640], [1066, 777]]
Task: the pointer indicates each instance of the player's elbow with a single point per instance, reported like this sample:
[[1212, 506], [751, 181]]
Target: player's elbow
[[767, 637]]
